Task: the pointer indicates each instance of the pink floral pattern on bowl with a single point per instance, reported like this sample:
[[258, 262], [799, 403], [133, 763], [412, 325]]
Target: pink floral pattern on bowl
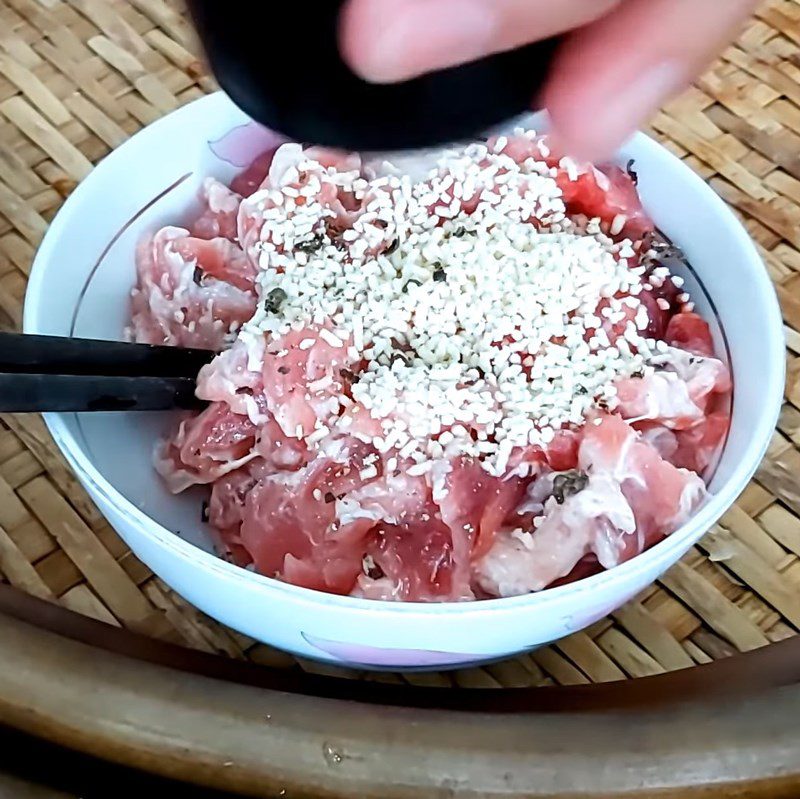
[[360, 655], [242, 145]]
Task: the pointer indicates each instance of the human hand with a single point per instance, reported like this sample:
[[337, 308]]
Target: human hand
[[621, 59]]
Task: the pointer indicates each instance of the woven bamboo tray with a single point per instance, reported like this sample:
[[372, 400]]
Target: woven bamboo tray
[[77, 77]]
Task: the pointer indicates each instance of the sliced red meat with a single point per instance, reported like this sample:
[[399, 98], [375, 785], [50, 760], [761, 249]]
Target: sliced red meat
[[234, 377], [175, 303], [663, 440], [393, 498], [476, 503], [247, 182], [677, 396], [228, 495], [659, 317], [218, 258], [290, 530], [206, 446], [302, 382], [697, 447], [220, 212], [689, 331], [279, 451], [562, 451], [560, 455], [414, 562], [607, 193], [226, 510], [330, 203], [662, 397], [630, 498], [661, 496], [707, 377]]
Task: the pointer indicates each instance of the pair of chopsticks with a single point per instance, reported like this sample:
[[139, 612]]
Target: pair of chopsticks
[[54, 374]]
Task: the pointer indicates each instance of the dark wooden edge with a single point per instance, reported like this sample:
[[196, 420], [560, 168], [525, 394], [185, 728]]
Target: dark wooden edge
[[17, 788], [728, 729], [773, 666], [32, 764]]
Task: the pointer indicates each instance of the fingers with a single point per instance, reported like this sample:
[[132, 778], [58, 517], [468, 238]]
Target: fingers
[[614, 74], [392, 40]]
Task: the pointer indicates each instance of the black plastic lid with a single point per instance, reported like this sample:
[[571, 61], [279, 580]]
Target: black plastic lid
[[283, 68]]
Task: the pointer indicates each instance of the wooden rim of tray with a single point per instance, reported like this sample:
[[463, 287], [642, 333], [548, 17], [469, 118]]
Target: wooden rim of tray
[[727, 728]]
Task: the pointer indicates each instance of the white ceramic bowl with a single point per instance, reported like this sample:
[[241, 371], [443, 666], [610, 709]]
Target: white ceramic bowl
[[80, 284]]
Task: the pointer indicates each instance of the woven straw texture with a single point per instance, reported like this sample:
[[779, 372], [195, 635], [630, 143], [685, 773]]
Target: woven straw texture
[[77, 77]]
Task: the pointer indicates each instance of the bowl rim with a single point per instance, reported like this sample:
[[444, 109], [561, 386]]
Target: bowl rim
[[195, 557]]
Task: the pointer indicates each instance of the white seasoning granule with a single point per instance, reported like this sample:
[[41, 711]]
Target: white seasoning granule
[[418, 469], [477, 333], [318, 435], [617, 223], [329, 338]]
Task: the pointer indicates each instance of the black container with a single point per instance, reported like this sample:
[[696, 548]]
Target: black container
[[280, 63]]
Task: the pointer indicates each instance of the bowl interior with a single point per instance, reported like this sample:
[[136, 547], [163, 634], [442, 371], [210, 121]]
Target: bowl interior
[[85, 269]]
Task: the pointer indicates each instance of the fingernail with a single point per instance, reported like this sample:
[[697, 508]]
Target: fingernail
[[619, 113], [427, 35]]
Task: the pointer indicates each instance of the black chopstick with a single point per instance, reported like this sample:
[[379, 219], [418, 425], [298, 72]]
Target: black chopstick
[[23, 353], [30, 393], [55, 374]]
